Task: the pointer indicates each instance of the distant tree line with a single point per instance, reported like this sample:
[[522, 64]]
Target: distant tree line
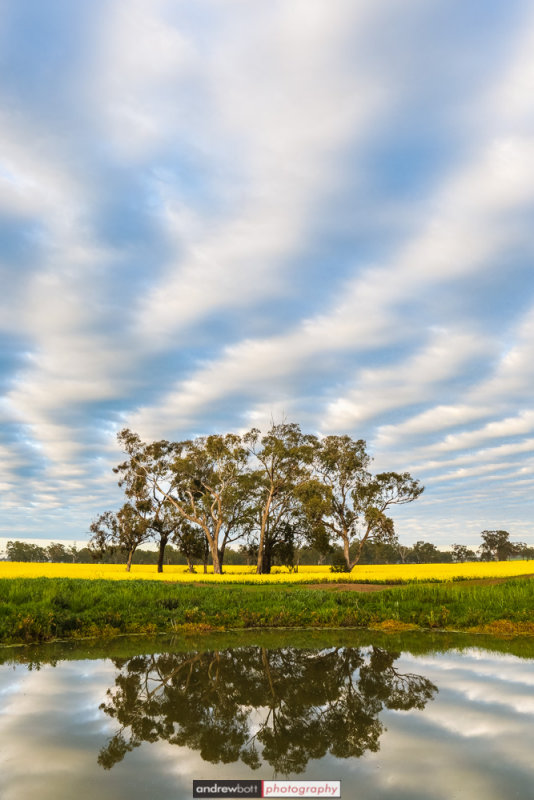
[[493, 548], [54, 552], [58, 553], [277, 494]]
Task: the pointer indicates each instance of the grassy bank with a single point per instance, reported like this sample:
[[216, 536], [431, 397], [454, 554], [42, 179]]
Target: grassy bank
[[125, 647], [43, 609]]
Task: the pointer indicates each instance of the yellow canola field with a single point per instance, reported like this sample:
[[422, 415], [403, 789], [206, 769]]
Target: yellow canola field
[[380, 573]]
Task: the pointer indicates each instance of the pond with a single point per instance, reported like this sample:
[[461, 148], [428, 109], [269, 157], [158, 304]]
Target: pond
[[415, 716]]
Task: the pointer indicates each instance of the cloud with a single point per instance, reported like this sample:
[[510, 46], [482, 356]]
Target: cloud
[[213, 214]]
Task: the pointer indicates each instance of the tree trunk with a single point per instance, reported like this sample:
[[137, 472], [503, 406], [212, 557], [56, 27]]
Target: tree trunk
[[162, 545], [190, 566], [215, 558], [360, 549], [259, 566], [263, 529], [266, 561], [346, 550], [129, 562]]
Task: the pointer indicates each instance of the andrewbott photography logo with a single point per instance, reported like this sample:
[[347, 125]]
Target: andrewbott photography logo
[[227, 789], [258, 788]]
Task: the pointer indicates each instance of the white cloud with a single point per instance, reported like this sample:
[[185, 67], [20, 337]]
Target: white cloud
[[522, 423], [256, 146], [417, 379], [431, 420]]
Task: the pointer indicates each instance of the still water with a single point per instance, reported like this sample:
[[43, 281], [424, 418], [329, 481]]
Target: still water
[[414, 717]]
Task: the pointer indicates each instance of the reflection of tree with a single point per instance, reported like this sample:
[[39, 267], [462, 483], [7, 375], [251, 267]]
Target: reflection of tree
[[308, 703]]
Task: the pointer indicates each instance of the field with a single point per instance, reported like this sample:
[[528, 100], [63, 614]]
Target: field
[[379, 574], [41, 608]]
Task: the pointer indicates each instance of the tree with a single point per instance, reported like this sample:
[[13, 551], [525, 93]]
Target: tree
[[142, 493], [340, 464], [240, 518], [190, 542], [202, 478], [379, 553], [164, 523], [57, 553], [524, 550], [373, 497], [462, 553], [124, 531], [404, 552], [355, 501], [25, 551], [282, 457], [425, 553], [496, 546], [211, 485], [83, 556]]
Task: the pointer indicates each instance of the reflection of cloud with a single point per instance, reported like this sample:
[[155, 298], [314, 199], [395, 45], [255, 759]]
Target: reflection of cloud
[[472, 740], [51, 732]]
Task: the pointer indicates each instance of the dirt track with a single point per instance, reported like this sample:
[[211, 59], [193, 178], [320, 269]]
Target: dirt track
[[349, 587], [376, 587]]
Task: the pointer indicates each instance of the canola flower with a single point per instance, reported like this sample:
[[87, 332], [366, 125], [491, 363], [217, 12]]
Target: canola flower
[[377, 573]]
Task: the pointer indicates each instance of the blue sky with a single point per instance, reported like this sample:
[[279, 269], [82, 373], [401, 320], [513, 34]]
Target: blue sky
[[216, 212]]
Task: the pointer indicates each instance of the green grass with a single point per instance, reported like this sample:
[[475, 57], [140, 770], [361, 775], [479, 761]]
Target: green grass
[[43, 609]]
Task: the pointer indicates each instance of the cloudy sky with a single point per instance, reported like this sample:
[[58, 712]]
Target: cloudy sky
[[215, 212]]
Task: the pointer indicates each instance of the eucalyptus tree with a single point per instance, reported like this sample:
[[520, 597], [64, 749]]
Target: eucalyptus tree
[[496, 546], [340, 464], [427, 553], [168, 525], [57, 553], [353, 506], [302, 527], [124, 530], [25, 551], [150, 504], [461, 553], [282, 460], [203, 479], [190, 542]]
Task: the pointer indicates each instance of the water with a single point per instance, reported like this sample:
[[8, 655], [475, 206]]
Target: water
[[416, 716]]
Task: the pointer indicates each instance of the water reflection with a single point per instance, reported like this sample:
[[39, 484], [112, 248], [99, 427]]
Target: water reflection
[[281, 707]]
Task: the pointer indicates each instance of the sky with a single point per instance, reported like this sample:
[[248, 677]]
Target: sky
[[214, 213]]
